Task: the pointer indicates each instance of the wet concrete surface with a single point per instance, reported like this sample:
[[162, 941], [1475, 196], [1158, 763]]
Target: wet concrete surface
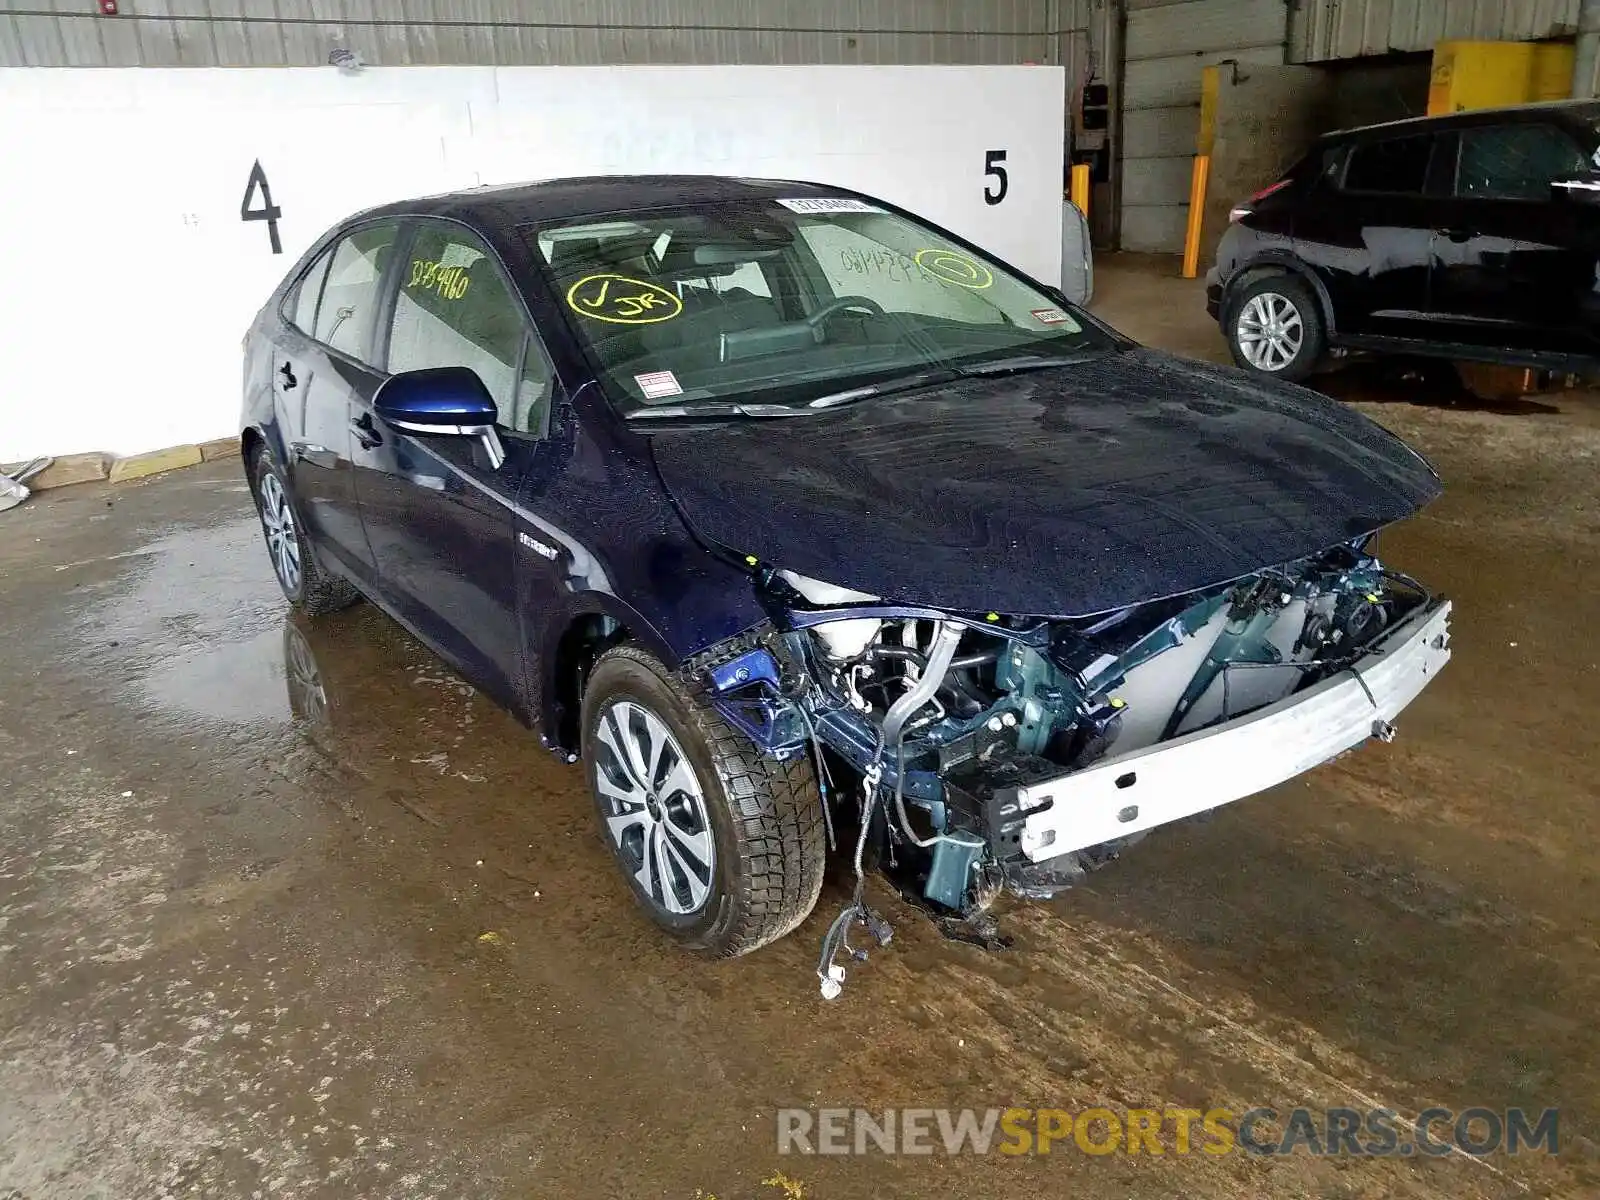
[[248, 865]]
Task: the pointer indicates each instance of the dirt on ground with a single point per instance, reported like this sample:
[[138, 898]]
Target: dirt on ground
[[289, 910]]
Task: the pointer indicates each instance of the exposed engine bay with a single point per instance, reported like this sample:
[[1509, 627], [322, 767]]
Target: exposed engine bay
[[974, 753]]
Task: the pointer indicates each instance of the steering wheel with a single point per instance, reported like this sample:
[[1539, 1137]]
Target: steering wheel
[[843, 304]]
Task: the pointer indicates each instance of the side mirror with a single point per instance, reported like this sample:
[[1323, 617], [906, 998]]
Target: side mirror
[[451, 401], [1577, 189]]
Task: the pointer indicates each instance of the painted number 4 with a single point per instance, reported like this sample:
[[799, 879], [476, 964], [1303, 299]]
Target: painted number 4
[[268, 212]]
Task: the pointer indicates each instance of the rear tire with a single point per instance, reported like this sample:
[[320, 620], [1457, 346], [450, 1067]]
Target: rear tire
[[1275, 328], [674, 786], [294, 560]]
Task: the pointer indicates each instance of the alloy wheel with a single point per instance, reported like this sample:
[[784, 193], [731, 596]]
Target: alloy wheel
[[654, 808], [308, 698], [283, 541], [1269, 331]]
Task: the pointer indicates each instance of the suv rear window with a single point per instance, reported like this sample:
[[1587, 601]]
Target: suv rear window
[[1398, 166]]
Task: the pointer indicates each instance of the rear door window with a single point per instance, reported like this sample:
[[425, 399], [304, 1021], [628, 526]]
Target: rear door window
[[302, 307], [1515, 162], [350, 296], [1395, 166]]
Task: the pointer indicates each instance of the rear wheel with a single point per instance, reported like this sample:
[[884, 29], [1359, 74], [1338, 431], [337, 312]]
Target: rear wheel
[[721, 846], [294, 559], [1275, 328]]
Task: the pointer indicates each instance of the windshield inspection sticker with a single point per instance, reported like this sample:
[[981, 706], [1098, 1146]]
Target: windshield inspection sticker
[[829, 204], [1049, 316], [656, 384], [620, 300]]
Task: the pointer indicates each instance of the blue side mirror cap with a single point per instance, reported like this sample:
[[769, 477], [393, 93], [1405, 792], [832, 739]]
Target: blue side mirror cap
[[437, 399]]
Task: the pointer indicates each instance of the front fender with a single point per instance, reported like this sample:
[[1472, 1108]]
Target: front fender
[[586, 623]]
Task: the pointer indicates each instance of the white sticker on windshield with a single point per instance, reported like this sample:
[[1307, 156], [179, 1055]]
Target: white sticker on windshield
[[656, 384], [829, 204], [1049, 316]]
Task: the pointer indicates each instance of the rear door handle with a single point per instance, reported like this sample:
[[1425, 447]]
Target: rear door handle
[[1455, 235], [366, 433], [286, 379]]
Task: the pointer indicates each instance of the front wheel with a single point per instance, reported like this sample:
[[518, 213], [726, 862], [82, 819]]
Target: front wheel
[[1275, 329], [721, 846]]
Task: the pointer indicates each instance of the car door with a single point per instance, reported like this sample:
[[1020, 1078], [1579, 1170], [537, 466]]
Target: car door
[[1367, 234], [317, 375], [438, 513], [1513, 267]]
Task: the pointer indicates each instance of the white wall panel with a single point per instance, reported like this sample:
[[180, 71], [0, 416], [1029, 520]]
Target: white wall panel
[[122, 190]]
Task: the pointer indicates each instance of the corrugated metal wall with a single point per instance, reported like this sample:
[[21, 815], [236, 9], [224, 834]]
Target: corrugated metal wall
[[1327, 29], [395, 32], [1166, 43], [1586, 70]]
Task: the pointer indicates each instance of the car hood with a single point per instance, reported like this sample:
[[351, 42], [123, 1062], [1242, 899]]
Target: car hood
[[1061, 492]]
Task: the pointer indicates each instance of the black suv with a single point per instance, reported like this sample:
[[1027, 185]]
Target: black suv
[[1474, 236]]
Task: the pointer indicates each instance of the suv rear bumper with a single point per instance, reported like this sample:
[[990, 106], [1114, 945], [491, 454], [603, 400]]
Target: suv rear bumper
[[1212, 767], [1214, 293]]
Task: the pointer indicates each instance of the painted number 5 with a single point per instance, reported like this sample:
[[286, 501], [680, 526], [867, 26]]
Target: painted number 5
[[993, 168], [268, 212]]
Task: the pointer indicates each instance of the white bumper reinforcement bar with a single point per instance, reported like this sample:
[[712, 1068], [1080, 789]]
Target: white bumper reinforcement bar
[[1211, 767]]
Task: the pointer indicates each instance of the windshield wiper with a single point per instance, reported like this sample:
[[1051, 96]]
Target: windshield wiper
[[713, 410], [902, 384], [1026, 362]]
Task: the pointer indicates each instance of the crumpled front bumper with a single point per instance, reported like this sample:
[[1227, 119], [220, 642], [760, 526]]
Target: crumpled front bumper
[[1212, 767]]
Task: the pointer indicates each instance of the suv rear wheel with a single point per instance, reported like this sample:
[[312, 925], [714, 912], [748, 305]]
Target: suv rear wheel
[[721, 846], [1275, 328]]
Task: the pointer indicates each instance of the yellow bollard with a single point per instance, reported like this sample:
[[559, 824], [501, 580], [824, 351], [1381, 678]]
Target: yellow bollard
[[1197, 212], [1080, 188]]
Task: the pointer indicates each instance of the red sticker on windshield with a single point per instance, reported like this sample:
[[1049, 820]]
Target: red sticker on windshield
[[1049, 316]]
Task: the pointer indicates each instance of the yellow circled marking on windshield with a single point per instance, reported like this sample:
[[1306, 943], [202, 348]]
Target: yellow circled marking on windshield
[[951, 267], [622, 300]]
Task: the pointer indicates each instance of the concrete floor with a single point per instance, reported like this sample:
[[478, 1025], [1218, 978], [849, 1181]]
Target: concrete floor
[[242, 946]]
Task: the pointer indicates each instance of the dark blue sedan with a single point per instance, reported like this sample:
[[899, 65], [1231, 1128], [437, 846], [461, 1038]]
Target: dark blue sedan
[[812, 529]]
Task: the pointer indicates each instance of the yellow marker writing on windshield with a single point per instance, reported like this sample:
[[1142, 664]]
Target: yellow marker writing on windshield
[[952, 267], [622, 300]]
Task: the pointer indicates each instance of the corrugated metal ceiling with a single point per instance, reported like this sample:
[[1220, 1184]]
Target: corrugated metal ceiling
[[1329, 29], [303, 32]]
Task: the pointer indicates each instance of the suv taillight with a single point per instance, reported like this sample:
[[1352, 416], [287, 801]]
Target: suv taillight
[[1245, 207]]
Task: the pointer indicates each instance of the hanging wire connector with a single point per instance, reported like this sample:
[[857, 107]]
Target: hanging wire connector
[[831, 972]]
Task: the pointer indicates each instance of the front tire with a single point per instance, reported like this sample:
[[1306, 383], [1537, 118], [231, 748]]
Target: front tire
[[721, 846], [294, 559], [1275, 329]]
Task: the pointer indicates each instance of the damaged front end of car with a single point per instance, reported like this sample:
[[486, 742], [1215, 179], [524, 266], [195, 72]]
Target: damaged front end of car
[[972, 753]]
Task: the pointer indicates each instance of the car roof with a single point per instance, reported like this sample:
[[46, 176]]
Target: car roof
[[1577, 110], [508, 205]]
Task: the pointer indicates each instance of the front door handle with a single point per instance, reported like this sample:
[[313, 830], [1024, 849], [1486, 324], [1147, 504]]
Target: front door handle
[[1455, 235], [366, 433], [286, 379]]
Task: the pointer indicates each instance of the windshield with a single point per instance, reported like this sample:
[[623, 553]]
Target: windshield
[[788, 304]]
